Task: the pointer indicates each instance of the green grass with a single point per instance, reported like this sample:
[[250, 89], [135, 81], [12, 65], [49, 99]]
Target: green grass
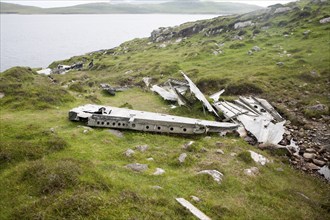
[[89, 173], [51, 169]]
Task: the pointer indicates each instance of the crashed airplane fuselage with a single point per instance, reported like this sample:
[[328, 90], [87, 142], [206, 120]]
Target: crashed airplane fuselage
[[120, 118]]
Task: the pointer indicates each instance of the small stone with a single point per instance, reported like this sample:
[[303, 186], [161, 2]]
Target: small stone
[[52, 130], [258, 158], [279, 169], [217, 176], [203, 150], [182, 157], [137, 167], [219, 151], [325, 20], [256, 48], [280, 64], [129, 152], [311, 166], [85, 131], [195, 198], [159, 171], [116, 133], [186, 146], [318, 107], [319, 162], [142, 148], [233, 154], [306, 32], [219, 144], [309, 156], [310, 150], [207, 137], [150, 159], [253, 171], [324, 149]]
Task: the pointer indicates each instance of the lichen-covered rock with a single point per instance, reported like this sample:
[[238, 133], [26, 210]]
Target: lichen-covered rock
[[253, 171], [309, 156], [182, 157], [318, 162], [256, 48], [137, 167], [325, 20], [195, 198], [159, 171], [217, 176], [142, 148], [243, 24], [129, 153], [318, 107], [311, 166]]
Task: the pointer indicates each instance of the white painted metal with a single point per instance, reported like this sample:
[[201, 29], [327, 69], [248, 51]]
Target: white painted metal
[[107, 116], [199, 95], [195, 211]]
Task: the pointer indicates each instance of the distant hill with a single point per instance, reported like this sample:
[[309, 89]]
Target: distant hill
[[175, 7]]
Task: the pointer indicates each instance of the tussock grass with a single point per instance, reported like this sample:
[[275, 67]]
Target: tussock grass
[[52, 177], [25, 89]]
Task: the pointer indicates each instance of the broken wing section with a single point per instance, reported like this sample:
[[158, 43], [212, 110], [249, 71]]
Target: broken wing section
[[264, 130], [166, 95], [199, 95], [257, 116]]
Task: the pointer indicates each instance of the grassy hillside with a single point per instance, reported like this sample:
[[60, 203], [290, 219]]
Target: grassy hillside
[[56, 169], [175, 7]]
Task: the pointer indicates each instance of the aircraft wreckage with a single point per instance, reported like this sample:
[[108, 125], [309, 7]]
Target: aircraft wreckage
[[120, 118], [251, 114]]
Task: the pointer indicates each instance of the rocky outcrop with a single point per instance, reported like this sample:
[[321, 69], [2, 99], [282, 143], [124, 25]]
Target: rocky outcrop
[[243, 24], [282, 10], [165, 34]]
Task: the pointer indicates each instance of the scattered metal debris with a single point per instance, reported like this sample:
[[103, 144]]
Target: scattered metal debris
[[171, 90], [120, 118], [325, 171], [112, 90], [108, 89], [199, 95], [174, 90], [257, 116], [61, 69], [46, 71], [217, 95], [147, 80], [167, 95], [195, 211]]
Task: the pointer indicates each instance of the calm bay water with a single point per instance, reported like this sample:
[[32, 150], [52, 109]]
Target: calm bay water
[[38, 40]]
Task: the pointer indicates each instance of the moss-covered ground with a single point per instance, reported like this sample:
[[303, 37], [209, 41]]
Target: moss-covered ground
[[52, 168]]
